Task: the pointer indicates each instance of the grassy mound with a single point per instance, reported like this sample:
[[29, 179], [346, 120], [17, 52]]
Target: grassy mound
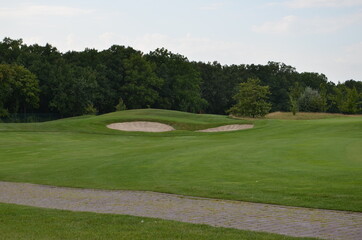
[[306, 163], [97, 124]]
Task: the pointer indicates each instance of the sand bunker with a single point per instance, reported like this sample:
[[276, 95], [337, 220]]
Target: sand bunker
[[227, 128], [141, 127]]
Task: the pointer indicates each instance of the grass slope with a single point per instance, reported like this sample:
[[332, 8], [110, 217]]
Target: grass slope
[[18, 222], [310, 163]]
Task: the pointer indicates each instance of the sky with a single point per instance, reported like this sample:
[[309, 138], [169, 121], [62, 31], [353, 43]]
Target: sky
[[323, 36]]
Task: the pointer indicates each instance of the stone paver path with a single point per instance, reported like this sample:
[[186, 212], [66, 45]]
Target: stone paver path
[[292, 221]]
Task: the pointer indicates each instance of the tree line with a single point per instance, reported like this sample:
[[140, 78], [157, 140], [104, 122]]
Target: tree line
[[40, 79]]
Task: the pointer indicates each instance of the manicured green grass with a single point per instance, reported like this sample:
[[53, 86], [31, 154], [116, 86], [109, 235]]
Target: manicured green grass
[[18, 222], [309, 163]]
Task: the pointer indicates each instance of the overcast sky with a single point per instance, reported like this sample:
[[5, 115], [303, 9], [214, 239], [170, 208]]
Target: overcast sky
[[322, 36]]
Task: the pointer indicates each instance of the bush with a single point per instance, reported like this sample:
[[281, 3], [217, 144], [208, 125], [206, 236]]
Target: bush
[[121, 106], [311, 101], [90, 110]]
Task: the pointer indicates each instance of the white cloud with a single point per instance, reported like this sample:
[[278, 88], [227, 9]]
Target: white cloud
[[347, 64], [322, 3], [70, 40], [316, 25], [33, 39], [351, 55], [42, 10], [330, 25], [282, 26], [107, 39], [213, 6]]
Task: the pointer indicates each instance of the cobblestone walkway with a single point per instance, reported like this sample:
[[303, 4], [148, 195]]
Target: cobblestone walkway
[[292, 221]]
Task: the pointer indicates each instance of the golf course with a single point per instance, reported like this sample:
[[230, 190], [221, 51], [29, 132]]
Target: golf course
[[311, 163], [305, 163]]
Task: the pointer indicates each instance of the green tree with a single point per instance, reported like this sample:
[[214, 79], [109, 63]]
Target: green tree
[[90, 109], [324, 97], [6, 75], [294, 107], [120, 106], [347, 99], [251, 99], [74, 91], [294, 94], [181, 87], [10, 50], [141, 84], [19, 89], [125, 72], [279, 77], [214, 88]]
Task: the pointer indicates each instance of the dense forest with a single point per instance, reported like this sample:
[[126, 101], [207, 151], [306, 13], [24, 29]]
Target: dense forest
[[41, 80]]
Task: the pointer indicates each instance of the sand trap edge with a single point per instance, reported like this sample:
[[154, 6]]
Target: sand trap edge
[[228, 128]]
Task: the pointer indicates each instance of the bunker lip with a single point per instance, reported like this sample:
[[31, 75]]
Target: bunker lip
[[141, 126], [228, 128]]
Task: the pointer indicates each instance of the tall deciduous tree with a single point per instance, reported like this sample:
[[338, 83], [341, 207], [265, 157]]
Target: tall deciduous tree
[[347, 99], [251, 99], [75, 90], [294, 94], [182, 81], [123, 72], [141, 84], [19, 89], [214, 87]]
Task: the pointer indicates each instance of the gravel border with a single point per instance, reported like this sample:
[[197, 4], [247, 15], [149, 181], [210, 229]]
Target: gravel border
[[292, 221]]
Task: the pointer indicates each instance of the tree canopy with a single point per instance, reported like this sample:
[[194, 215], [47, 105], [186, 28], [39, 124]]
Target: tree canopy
[[19, 89], [40, 79], [251, 99]]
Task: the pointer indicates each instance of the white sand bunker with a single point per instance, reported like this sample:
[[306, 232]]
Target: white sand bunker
[[141, 127], [228, 128]]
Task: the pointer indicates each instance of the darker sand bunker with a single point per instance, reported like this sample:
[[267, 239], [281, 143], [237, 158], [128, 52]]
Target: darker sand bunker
[[141, 127], [228, 128]]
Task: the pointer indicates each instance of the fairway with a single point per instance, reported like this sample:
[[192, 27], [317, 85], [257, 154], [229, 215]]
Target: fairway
[[308, 163]]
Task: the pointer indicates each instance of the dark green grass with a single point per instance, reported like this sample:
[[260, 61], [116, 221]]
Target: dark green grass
[[309, 163], [18, 222]]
